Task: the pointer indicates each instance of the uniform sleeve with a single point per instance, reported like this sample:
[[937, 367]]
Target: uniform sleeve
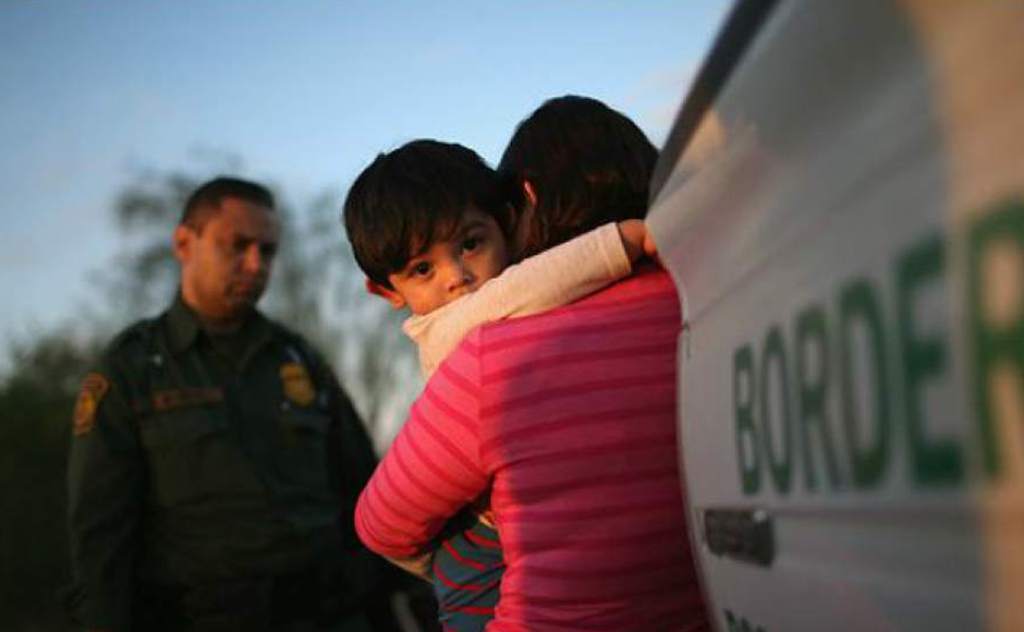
[[351, 457], [364, 578], [553, 278], [433, 468], [105, 487]]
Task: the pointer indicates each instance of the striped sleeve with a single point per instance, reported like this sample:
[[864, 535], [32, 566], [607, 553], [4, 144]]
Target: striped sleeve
[[433, 468]]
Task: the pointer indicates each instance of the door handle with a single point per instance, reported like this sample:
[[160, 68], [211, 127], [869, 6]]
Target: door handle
[[747, 535]]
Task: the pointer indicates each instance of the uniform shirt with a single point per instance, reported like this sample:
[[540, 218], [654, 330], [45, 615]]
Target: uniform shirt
[[198, 458], [571, 415]]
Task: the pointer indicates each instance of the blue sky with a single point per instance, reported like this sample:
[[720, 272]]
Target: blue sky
[[306, 93]]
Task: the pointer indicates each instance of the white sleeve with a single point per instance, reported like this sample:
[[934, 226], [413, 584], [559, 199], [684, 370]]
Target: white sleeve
[[553, 278]]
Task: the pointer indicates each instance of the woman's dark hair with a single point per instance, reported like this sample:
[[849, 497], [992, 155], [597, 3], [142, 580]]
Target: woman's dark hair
[[413, 196], [588, 164]]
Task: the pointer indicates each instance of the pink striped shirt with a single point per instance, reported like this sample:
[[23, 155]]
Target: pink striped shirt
[[569, 418]]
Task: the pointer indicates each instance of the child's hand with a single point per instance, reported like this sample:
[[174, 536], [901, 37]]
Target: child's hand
[[636, 239], [486, 517]]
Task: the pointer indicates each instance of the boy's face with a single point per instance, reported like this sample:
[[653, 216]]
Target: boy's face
[[475, 253]]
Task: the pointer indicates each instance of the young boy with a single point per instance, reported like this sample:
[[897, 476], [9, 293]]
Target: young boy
[[431, 232]]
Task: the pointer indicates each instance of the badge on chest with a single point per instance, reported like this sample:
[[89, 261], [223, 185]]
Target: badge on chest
[[297, 385]]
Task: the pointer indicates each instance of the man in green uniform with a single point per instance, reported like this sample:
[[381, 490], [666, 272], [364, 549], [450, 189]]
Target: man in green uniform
[[215, 460]]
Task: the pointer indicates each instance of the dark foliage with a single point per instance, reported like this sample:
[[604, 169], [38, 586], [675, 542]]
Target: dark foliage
[[36, 401]]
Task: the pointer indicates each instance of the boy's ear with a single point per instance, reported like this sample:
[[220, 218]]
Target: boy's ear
[[397, 300]]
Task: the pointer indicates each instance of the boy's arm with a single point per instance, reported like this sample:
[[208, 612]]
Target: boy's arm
[[547, 280]]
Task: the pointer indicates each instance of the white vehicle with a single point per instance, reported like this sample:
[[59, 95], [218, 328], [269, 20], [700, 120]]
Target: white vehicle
[[841, 205]]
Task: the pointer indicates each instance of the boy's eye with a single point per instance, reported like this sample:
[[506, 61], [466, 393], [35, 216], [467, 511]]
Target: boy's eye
[[470, 243], [421, 268]]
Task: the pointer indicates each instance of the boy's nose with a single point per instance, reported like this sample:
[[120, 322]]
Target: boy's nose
[[458, 277]]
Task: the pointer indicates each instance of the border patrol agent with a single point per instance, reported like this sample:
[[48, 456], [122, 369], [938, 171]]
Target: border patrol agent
[[215, 460]]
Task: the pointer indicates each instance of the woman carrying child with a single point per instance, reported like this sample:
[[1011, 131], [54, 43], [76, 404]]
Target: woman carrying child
[[567, 418]]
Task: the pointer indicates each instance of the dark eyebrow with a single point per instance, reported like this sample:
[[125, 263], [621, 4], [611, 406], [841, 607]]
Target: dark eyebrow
[[472, 225], [251, 239]]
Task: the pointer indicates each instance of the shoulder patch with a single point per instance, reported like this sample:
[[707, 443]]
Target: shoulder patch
[[94, 387]]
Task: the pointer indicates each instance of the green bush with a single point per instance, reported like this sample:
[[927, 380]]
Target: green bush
[[36, 399]]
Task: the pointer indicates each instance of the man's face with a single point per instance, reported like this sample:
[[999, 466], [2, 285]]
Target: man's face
[[225, 265], [475, 253]]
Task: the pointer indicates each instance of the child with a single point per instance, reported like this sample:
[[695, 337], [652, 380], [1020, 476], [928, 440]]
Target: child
[[431, 232]]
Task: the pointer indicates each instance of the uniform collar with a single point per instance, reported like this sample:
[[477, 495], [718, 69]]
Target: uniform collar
[[183, 327]]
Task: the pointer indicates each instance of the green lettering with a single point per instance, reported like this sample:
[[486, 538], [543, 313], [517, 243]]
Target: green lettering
[[780, 466], [998, 340], [811, 336], [858, 303], [743, 405], [933, 462]]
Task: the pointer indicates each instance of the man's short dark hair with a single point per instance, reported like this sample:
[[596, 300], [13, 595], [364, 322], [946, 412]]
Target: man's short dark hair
[[412, 197], [588, 163], [206, 200]]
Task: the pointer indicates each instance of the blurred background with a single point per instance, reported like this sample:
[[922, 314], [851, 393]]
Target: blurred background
[[111, 113]]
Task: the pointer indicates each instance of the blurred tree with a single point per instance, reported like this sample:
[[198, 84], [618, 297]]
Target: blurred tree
[[37, 398]]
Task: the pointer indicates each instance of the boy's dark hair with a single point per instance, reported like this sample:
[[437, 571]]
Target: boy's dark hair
[[206, 200], [412, 197], [589, 165]]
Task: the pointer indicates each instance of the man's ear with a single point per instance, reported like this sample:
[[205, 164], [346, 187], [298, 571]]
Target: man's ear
[[397, 300], [182, 242]]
